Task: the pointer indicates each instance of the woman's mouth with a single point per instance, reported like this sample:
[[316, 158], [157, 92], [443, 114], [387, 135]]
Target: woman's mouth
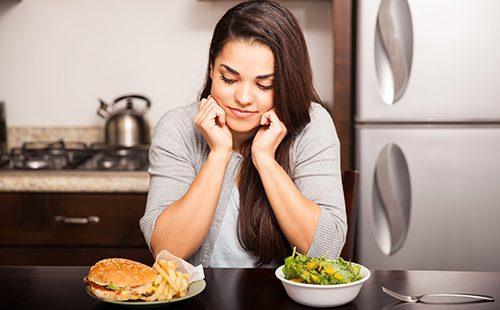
[[241, 113]]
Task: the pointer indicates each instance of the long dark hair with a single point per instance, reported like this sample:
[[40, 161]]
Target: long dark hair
[[268, 23]]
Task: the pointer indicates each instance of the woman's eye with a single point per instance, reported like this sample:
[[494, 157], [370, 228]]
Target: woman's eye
[[265, 87], [226, 80], [230, 81]]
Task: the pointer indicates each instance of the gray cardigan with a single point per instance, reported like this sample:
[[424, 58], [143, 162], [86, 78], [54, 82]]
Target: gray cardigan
[[178, 151]]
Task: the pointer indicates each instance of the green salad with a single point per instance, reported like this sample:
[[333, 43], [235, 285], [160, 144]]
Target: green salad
[[311, 270]]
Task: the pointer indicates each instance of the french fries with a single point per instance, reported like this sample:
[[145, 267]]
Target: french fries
[[169, 282]]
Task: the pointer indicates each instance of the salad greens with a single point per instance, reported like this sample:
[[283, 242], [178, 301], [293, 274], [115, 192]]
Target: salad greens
[[312, 270]]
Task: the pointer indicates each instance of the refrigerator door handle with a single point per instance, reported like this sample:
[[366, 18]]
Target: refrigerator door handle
[[391, 199], [393, 49]]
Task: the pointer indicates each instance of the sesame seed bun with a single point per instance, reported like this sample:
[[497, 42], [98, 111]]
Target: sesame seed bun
[[122, 273]]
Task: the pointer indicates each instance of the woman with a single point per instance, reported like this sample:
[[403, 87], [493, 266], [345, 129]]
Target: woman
[[252, 169]]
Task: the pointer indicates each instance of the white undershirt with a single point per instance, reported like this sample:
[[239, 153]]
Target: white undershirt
[[227, 252]]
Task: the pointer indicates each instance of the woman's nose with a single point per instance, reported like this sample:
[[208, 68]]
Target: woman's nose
[[244, 94]]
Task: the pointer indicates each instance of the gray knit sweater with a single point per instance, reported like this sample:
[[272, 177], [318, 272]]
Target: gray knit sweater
[[178, 151]]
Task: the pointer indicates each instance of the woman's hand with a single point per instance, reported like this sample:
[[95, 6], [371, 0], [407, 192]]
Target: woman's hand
[[268, 137], [211, 121]]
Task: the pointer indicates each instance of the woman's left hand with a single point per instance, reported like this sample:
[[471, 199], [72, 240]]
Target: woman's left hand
[[268, 137]]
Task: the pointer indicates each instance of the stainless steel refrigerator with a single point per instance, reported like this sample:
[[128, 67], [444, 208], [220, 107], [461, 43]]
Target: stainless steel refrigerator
[[427, 130]]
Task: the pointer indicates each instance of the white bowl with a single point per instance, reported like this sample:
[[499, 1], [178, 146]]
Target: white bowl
[[317, 295]]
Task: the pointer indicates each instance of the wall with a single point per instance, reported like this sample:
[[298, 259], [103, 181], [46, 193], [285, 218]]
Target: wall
[[57, 57]]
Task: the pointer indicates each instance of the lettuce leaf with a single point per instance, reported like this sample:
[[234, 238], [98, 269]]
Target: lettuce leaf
[[320, 270], [112, 286]]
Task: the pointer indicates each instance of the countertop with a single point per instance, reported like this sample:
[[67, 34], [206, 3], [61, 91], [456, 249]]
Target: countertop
[[62, 288], [74, 181]]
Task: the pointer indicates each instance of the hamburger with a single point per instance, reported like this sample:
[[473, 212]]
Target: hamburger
[[119, 279]]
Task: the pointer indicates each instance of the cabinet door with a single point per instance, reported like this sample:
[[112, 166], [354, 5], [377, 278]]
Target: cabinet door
[[60, 219], [69, 256], [25, 219], [117, 215], [51, 229]]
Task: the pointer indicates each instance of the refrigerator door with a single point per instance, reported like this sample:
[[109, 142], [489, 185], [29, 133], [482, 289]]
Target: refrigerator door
[[429, 197], [427, 61]]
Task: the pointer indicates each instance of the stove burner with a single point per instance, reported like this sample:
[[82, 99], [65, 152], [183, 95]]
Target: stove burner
[[121, 158], [123, 163], [62, 155], [49, 155]]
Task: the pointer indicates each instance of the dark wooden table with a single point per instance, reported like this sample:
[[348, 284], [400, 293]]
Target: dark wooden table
[[62, 288]]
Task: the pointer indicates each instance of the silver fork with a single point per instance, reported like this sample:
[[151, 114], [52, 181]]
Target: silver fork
[[407, 298]]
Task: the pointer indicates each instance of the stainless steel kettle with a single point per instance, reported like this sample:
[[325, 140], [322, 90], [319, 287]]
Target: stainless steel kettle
[[125, 126]]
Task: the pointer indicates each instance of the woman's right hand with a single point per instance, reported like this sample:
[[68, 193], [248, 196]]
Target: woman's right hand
[[211, 121]]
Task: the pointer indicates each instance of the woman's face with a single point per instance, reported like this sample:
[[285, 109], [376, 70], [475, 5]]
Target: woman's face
[[242, 83]]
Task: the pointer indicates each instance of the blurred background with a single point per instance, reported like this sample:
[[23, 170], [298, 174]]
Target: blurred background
[[58, 57], [412, 86]]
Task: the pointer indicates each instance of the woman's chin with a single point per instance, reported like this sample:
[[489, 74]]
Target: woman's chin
[[241, 126]]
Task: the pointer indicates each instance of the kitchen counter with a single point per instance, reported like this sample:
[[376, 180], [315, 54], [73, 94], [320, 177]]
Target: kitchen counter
[[62, 288], [74, 181]]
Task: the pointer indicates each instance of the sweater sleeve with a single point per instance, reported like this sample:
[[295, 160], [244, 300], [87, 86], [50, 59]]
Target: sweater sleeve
[[317, 175], [170, 168]]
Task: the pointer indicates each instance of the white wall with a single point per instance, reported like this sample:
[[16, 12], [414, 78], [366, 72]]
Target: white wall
[[58, 56]]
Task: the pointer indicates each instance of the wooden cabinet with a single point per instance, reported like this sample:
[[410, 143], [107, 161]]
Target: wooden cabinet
[[344, 20], [71, 228]]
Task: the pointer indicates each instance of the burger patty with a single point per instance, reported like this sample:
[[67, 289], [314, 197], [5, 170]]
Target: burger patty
[[114, 295], [119, 295]]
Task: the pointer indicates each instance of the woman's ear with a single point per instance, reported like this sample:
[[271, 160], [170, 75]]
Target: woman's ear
[[212, 72]]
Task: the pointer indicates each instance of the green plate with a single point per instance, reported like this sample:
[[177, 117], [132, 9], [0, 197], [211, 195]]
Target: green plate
[[193, 289]]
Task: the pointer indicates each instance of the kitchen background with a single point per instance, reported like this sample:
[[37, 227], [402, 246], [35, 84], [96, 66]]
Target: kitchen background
[[57, 57], [84, 198], [416, 109]]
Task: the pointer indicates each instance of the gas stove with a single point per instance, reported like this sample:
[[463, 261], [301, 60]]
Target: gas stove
[[62, 155]]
